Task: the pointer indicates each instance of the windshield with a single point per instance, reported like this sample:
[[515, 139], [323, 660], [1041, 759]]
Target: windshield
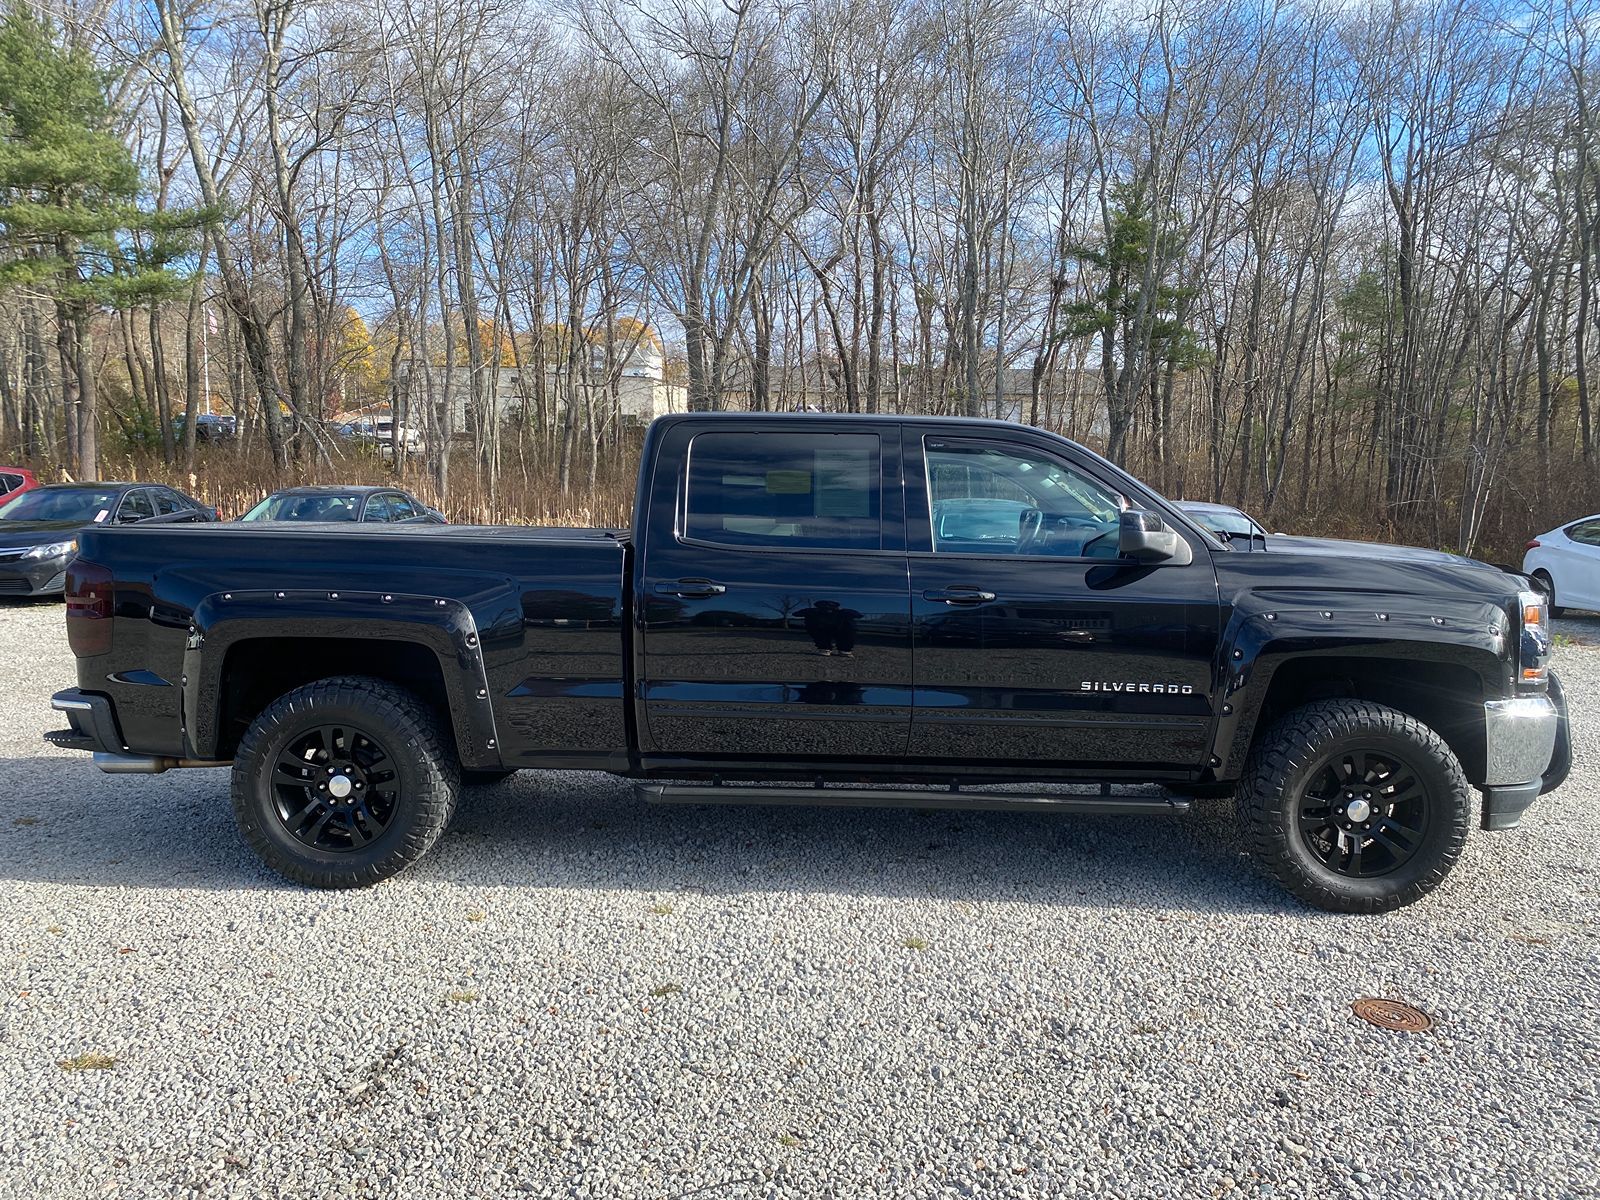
[[1230, 521], [60, 504], [291, 506]]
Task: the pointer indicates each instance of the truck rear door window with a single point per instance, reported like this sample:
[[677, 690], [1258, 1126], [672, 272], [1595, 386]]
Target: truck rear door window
[[785, 490]]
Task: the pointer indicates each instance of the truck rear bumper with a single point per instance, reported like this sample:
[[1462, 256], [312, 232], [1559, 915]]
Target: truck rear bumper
[[91, 720], [1529, 745], [93, 727]]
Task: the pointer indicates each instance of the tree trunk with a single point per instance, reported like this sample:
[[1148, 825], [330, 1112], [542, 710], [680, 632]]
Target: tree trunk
[[194, 367], [162, 396], [236, 289]]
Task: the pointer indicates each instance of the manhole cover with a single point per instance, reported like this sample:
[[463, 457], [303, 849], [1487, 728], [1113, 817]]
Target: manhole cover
[[1392, 1014]]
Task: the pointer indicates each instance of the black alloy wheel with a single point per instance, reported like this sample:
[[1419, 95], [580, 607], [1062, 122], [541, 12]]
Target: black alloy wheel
[[345, 782], [1353, 806], [1363, 814], [335, 788]]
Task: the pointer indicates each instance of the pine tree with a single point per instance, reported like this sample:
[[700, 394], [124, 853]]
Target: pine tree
[[70, 222], [1133, 310]]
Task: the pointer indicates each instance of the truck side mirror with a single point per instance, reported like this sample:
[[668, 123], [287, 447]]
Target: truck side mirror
[[1145, 537]]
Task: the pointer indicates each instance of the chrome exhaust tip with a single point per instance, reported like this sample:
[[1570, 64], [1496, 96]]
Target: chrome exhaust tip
[[130, 764], [141, 764]]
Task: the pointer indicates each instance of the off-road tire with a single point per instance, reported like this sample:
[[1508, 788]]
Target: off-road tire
[[425, 764], [1299, 744]]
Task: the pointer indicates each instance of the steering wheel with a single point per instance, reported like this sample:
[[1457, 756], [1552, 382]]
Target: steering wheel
[[1029, 523]]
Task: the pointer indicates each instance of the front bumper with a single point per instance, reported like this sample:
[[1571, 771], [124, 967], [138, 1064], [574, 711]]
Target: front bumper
[[34, 576], [1528, 747]]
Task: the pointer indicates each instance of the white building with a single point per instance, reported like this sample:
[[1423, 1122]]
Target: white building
[[636, 389]]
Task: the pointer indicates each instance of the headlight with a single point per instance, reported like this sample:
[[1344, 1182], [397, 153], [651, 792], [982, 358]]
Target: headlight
[[52, 550], [1535, 653]]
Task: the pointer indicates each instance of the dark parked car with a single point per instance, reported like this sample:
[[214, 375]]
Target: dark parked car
[[39, 529], [832, 610], [1223, 519], [14, 481], [209, 427], [345, 505]]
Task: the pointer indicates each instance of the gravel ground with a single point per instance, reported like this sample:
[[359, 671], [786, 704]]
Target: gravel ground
[[580, 995]]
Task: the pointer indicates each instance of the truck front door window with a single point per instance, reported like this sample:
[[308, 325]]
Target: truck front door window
[[988, 499], [785, 490]]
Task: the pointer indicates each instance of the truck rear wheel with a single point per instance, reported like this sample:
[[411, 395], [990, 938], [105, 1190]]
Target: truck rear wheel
[[344, 782], [1355, 807]]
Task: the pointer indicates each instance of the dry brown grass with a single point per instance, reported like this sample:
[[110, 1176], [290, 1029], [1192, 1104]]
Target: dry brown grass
[[524, 492], [91, 1060], [1517, 508]]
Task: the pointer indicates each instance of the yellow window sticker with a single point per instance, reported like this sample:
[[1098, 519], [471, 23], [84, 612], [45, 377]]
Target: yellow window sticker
[[788, 483]]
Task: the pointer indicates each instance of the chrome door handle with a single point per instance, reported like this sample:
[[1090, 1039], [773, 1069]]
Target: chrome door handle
[[959, 595], [690, 589]]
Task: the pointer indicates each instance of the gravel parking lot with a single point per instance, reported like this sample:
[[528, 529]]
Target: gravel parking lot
[[580, 995]]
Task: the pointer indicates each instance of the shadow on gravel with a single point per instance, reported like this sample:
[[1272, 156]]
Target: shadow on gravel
[[63, 822]]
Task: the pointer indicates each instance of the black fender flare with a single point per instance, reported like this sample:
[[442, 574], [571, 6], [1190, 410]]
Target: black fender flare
[[445, 626], [1267, 630]]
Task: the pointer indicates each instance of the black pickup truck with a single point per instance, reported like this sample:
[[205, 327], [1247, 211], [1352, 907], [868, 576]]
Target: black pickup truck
[[831, 610]]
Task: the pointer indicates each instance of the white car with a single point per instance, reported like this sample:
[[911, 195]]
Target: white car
[[1566, 563], [379, 432]]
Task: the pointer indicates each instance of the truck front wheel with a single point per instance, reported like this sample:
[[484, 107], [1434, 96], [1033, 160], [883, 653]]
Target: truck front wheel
[[344, 782], [1355, 807]]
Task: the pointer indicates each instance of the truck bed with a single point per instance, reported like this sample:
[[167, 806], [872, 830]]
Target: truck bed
[[547, 607]]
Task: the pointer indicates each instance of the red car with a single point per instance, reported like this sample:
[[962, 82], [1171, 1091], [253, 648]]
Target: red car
[[14, 481]]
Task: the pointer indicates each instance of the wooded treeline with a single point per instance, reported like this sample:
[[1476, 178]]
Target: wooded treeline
[[1339, 263]]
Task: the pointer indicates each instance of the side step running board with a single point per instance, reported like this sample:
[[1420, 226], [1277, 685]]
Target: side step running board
[[871, 797]]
